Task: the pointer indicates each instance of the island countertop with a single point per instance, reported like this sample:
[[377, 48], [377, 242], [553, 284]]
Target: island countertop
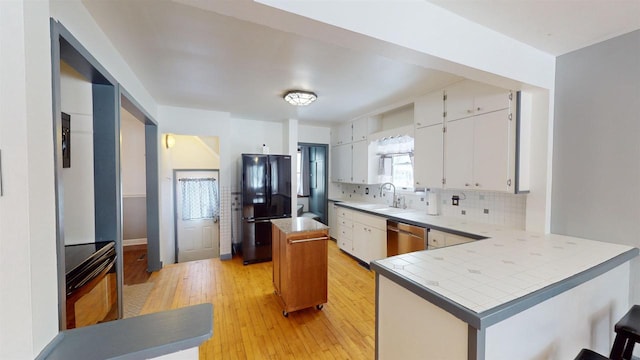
[[509, 270], [298, 225]]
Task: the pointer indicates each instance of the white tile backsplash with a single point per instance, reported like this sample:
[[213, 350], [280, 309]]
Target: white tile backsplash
[[478, 206]]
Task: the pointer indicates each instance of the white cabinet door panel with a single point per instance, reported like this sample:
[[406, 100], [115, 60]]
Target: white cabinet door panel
[[428, 110], [377, 244], [341, 163], [459, 154], [459, 103], [428, 156], [491, 155], [490, 98], [360, 242], [360, 162]]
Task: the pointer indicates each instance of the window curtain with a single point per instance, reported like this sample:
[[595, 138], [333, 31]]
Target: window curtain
[[200, 199], [304, 176]]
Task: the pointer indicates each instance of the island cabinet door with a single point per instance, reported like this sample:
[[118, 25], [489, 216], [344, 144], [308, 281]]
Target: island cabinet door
[[303, 270]]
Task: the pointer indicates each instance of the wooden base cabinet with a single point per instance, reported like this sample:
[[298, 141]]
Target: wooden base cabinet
[[300, 263]]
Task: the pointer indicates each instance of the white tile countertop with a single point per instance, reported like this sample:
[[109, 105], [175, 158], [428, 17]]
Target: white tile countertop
[[507, 265]]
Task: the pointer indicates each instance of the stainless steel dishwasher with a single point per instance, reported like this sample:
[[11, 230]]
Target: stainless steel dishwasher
[[403, 238]]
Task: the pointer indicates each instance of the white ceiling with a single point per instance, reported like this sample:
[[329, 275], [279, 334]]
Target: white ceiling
[[190, 57], [553, 26]]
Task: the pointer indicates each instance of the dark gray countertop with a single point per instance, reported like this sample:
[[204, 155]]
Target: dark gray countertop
[[140, 337]]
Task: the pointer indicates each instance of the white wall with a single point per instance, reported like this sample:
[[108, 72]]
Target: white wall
[[132, 155], [28, 263], [28, 281], [78, 215], [398, 118], [314, 134], [190, 152], [596, 171], [538, 212]]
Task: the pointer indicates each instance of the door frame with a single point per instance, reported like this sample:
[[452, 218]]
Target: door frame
[[326, 177], [175, 207], [108, 97], [151, 174]]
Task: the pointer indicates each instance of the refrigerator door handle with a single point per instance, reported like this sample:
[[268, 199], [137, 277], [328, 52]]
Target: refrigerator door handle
[[268, 188], [254, 221]]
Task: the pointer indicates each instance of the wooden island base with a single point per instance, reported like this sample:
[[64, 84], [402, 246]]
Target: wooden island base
[[300, 263]]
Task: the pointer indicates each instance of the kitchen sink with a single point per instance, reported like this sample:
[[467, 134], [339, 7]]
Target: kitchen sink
[[391, 210], [370, 206]]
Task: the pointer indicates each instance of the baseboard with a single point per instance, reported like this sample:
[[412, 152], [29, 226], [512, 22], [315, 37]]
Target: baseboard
[[129, 242], [225, 256]]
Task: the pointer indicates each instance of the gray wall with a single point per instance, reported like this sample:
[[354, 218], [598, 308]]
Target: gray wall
[[596, 156]]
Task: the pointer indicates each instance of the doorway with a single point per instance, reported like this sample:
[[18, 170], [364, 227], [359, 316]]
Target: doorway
[[197, 214], [313, 181], [134, 200]]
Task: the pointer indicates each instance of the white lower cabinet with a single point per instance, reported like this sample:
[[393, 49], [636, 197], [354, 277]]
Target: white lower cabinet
[[362, 235], [438, 239], [333, 219], [345, 229]]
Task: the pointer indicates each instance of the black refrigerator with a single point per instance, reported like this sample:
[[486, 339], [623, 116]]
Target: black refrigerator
[[266, 195]]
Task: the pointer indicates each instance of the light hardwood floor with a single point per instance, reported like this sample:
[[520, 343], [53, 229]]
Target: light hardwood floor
[[248, 322]]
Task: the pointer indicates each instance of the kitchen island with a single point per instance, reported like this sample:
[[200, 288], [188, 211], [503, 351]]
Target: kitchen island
[[511, 295], [300, 263]]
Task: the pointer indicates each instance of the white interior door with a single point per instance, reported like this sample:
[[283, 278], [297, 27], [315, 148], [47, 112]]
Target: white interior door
[[197, 234]]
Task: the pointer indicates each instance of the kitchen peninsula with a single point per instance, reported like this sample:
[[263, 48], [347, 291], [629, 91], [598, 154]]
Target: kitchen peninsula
[[512, 295]]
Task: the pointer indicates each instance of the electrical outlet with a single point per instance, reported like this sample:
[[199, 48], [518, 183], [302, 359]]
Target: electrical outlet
[[455, 200], [486, 211], [366, 191], [463, 212]]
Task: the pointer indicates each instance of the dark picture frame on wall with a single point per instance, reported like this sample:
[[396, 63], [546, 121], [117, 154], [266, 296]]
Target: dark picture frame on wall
[[66, 140]]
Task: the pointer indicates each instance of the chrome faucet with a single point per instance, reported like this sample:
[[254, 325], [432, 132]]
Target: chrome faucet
[[395, 201]]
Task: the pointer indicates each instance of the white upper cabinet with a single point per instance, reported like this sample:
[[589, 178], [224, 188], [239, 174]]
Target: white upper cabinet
[[428, 156], [352, 161], [363, 163], [468, 98], [479, 152], [429, 109], [364, 126], [343, 134], [341, 163], [492, 157]]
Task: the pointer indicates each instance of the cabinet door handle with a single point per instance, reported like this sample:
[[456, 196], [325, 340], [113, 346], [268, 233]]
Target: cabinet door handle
[[307, 240], [469, 111], [477, 184], [467, 184]]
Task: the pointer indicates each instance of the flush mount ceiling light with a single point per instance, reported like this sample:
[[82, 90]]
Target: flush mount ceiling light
[[300, 97]]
